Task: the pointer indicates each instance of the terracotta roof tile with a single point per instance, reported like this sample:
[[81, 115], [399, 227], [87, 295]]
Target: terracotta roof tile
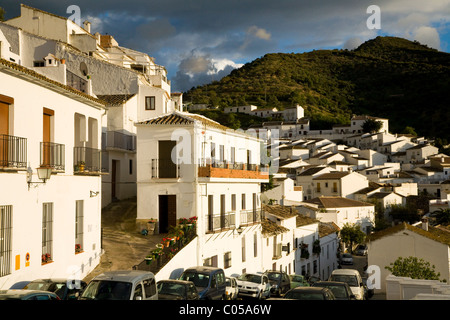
[[270, 228], [336, 202]]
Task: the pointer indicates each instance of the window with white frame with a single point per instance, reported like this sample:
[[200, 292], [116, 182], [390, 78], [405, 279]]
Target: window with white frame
[[79, 220], [5, 240], [47, 232]]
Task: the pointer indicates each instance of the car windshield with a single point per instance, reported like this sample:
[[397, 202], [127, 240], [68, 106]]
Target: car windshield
[[56, 287], [297, 278], [274, 276], [174, 289], [298, 295], [199, 279], [250, 277], [338, 291], [351, 280], [107, 290]]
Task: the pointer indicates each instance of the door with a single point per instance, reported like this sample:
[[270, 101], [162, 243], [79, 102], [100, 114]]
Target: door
[[114, 168], [166, 167], [167, 212], [46, 137], [4, 131]]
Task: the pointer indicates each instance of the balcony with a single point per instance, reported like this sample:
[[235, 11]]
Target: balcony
[[119, 140], [76, 82], [250, 216], [53, 155], [165, 169], [13, 153], [87, 161], [233, 170], [222, 222]]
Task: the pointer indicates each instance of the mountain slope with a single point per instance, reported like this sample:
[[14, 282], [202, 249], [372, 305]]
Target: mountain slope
[[386, 77]]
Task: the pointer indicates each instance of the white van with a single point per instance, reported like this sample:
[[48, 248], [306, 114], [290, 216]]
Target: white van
[[353, 278], [122, 285]]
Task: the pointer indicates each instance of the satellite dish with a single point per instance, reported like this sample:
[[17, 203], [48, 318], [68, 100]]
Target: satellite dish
[[84, 69]]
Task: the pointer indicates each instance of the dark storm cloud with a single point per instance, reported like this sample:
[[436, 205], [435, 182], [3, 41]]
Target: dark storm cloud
[[242, 30]]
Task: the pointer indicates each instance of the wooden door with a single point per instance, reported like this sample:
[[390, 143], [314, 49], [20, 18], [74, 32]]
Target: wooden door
[[167, 212], [166, 167], [46, 137], [4, 131]]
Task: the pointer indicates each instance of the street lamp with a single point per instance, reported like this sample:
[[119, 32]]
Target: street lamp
[[44, 173]]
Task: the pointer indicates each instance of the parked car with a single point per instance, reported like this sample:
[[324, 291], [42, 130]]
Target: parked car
[[312, 279], [369, 292], [280, 282], [341, 290], [232, 289], [361, 250], [209, 281], [65, 289], [19, 285], [121, 285], [346, 258], [352, 278], [309, 293], [297, 280], [254, 285], [176, 290], [22, 294]]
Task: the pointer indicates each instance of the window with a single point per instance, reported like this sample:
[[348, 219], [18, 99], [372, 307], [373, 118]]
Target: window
[[243, 201], [5, 239], [150, 103], [47, 232], [149, 287], [233, 202], [255, 245], [138, 292], [227, 259], [334, 186], [79, 218], [130, 166], [318, 187]]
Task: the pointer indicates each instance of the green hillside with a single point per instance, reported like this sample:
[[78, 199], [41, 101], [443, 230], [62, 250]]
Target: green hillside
[[389, 77]]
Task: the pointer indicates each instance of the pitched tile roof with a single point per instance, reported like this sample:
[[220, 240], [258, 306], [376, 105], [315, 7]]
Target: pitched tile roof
[[279, 211], [326, 229], [115, 99], [337, 202], [332, 175], [270, 228], [438, 234]]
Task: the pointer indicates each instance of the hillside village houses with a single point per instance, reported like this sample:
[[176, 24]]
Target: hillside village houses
[[112, 129]]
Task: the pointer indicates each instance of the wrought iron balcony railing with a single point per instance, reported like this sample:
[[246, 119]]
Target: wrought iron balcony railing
[[165, 168], [87, 160], [119, 140], [13, 152], [221, 222], [53, 155]]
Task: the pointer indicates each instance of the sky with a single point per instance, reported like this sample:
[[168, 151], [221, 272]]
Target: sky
[[199, 41]]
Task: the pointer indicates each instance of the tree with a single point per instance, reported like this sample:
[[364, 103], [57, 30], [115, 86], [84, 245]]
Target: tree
[[404, 213], [441, 216], [2, 14], [352, 233], [372, 126], [413, 268]]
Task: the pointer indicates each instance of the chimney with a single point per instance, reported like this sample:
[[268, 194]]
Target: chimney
[[425, 224], [87, 26]]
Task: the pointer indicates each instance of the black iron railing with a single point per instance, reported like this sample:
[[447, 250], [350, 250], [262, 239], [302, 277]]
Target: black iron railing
[[250, 216], [13, 152], [120, 140], [76, 82], [165, 168], [53, 155], [87, 160]]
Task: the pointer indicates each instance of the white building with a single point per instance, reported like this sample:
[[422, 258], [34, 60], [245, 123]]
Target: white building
[[189, 165], [134, 86], [340, 211], [51, 227]]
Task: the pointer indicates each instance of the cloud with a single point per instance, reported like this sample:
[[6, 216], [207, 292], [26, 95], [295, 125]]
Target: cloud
[[429, 36], [259, 33], [353, 43]]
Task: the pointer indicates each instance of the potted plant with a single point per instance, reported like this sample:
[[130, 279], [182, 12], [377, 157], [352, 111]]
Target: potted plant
[[81, 165], [304, 252], [78, 248], [46, 258], [316, 247]]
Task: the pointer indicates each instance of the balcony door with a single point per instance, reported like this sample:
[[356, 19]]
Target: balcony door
[[166, 167], [4, 131], [46, 136]]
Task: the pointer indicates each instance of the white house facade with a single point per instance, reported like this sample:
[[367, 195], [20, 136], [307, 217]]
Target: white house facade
[[50, 226]]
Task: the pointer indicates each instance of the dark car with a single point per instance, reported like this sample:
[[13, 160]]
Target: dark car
[[341, 290], [22, 294], [176, 290], [280, 282], [64, 288], [309, 293], [209, 281]]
